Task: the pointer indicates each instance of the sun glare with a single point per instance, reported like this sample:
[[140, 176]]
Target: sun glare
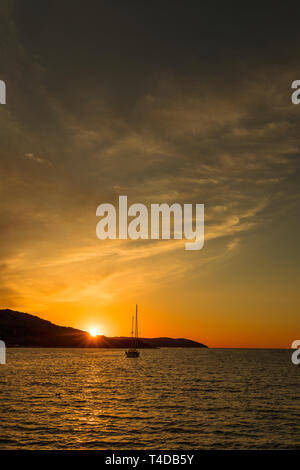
[[94, 331]]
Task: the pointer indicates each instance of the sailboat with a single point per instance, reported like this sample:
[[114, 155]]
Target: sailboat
[[133, 350]]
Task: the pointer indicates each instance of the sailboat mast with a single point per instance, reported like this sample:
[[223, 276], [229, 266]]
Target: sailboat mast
[[133, 349], [136, 326]]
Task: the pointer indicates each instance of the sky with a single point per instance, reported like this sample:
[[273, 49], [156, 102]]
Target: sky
[[164, 102]]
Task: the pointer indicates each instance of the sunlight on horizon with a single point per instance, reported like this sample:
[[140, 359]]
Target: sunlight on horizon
[[94, 331]]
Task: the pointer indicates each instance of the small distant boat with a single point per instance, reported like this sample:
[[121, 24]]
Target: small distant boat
[[133, 350]]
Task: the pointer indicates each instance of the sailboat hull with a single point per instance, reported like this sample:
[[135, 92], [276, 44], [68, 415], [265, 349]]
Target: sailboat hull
[[132, 353]]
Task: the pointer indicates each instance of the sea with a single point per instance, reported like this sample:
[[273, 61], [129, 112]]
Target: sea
[[167, 399]]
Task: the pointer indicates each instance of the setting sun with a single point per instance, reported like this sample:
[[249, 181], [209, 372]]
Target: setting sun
[[94, 331]]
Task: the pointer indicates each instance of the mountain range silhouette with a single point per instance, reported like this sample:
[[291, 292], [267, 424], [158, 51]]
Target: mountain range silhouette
[[18, 329]]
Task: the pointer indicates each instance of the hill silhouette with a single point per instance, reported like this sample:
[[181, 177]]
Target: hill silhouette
[[18, 329]]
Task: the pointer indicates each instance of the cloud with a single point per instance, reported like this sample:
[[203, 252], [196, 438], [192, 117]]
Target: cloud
[[174, 126], [35, 158]]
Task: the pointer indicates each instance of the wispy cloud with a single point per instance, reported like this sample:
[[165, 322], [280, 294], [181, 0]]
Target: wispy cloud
[[37, 159]]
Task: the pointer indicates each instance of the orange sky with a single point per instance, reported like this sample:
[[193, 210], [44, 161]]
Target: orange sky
[[220, 303]]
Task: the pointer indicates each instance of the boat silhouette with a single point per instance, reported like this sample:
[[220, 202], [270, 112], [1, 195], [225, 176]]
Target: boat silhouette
[[133, 350]]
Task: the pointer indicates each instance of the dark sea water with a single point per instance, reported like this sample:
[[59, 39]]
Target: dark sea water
[[167, 399]]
